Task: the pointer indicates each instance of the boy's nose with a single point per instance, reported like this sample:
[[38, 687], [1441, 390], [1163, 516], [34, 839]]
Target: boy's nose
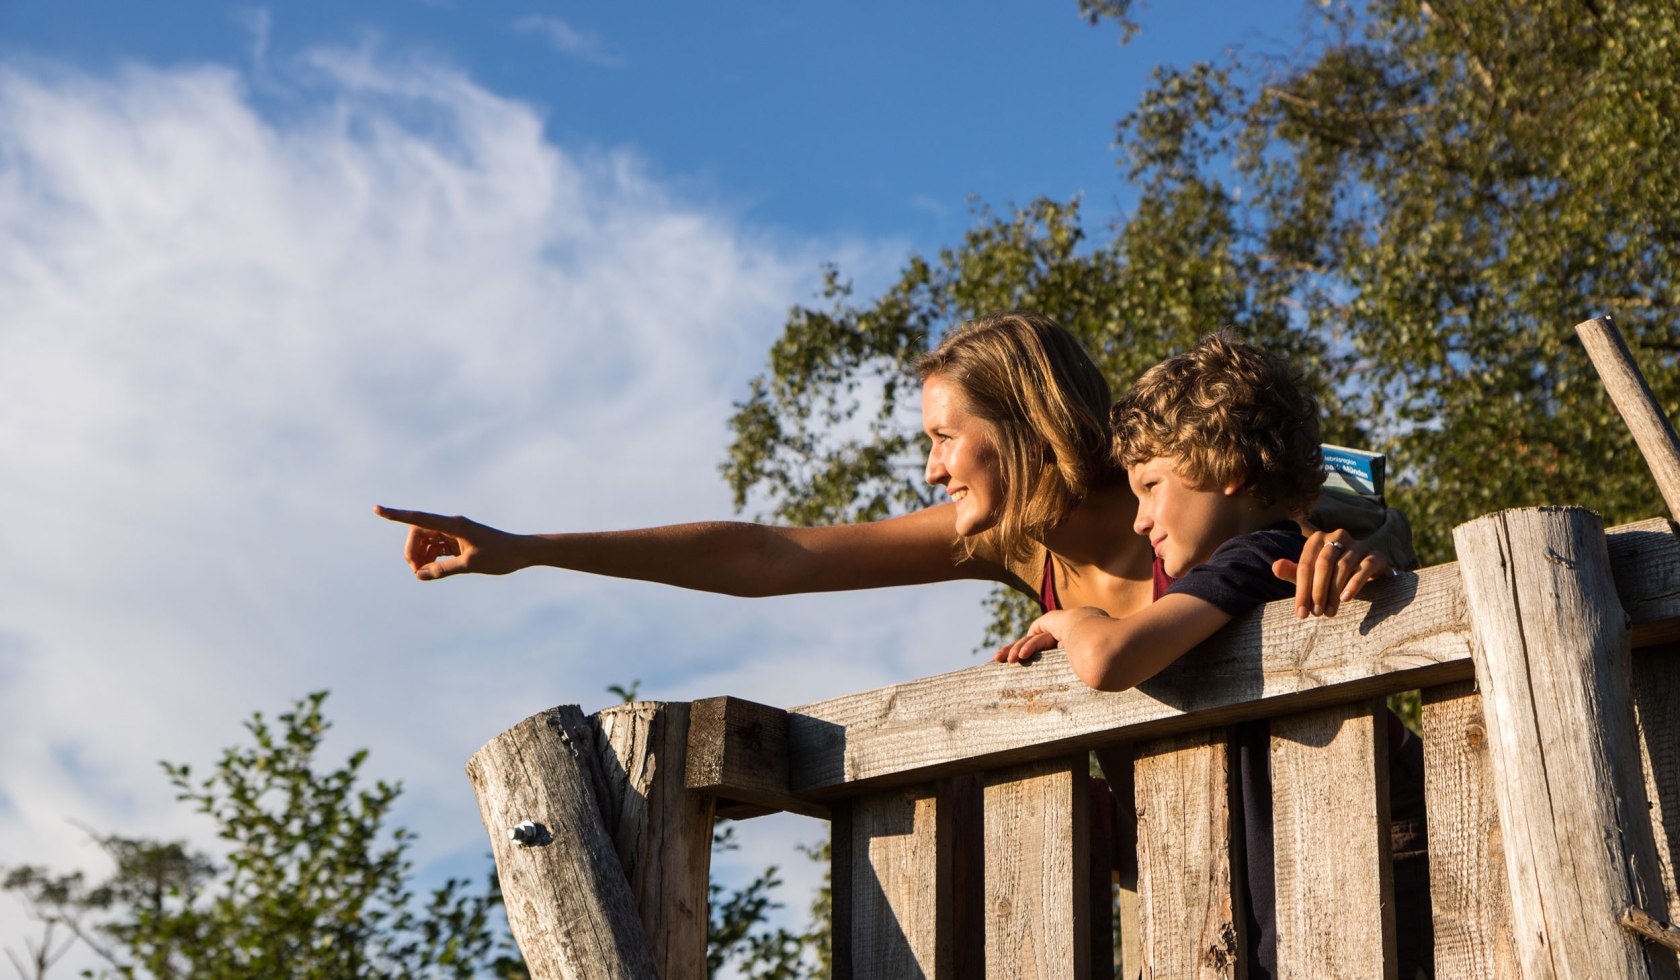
[[1143, 524]]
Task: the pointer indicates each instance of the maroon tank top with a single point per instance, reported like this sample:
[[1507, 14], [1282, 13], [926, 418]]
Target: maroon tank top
[[1050, 602], [1047, 598]]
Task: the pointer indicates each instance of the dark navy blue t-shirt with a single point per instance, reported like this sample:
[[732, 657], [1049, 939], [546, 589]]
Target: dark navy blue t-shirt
[[1238, 575]]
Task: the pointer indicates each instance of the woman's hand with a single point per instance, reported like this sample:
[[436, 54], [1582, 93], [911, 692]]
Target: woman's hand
[[1045, 633], [1334, 566], [439, 546]]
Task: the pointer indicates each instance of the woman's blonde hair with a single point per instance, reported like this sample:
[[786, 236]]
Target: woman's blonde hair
[[1046, 406]]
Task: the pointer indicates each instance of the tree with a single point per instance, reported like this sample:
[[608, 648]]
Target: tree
[[1416, 204], [312, 884]]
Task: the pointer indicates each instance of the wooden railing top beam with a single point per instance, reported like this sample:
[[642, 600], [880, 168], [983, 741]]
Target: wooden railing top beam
[[1413, 633]]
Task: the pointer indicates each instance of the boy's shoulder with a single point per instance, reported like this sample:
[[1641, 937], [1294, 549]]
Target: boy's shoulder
[[1238, 575]]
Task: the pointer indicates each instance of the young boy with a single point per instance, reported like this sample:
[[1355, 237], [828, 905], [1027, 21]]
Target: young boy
[[1220, 445]]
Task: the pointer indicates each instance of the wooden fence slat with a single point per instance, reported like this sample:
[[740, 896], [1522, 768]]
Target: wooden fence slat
[[1335, 907], [1468, 893], [1656, 699], [1184, 857], [898, 864], [1037, 877], [1552, 663], [661, 830]]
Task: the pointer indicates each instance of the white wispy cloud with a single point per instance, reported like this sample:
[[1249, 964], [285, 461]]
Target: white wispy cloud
[[568, 40], [224, 336]]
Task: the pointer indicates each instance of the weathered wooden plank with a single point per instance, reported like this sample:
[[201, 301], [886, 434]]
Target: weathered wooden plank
[[1413, 633], [661, 830], [568, 902], [900, 864], [1185, 908], [1037, 878], [1468, 893], [1638, 407], [1335, 901], [1656, 699], [1553, 666], [738, 753]]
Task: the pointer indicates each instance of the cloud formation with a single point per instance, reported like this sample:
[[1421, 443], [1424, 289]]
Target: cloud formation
[[585, 46], [236, 316]]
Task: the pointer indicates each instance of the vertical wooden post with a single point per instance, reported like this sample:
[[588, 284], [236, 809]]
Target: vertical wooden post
[[1184, 857], [1552, 661], [1037, 830], [1468, 893], [1335, 900], [661, 830], [897, 878], [568, 902], [1638, 407]]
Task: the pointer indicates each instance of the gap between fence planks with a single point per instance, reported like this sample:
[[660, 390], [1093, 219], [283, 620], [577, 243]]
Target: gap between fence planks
[[1414, 633]]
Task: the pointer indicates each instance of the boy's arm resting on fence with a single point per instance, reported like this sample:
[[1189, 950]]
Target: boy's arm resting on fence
[[729, 557], [1115, 654]]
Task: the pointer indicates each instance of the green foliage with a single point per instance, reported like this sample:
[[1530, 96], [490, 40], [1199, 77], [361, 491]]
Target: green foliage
[[740, 935], [1446, 189], [1416, 205], [311, 885]]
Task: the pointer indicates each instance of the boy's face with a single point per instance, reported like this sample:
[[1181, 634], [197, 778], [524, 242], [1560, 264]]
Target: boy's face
[[1184, 523]]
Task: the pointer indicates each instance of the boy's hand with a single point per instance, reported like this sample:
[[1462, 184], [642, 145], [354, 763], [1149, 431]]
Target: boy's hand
[[1045, 633], [1334, 566]]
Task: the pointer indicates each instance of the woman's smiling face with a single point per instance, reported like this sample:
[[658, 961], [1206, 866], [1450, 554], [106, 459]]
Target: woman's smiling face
[[962, 459]]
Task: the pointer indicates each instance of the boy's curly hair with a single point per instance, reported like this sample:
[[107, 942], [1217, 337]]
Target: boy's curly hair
[[1229, 411]]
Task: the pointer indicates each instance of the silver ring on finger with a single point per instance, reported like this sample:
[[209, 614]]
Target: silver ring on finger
[[1338, 546]]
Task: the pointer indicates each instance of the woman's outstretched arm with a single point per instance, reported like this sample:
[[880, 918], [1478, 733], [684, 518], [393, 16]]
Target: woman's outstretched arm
[[729, 557]]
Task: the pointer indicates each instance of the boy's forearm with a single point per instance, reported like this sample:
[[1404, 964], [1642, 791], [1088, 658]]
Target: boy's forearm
[[1101, 652], [1116, 654]]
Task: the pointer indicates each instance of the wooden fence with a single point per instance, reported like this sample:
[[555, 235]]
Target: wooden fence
[[963, 837]]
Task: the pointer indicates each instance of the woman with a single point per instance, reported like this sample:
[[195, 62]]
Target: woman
[[1017, 414]]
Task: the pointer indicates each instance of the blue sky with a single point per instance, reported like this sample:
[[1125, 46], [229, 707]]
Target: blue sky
[[261, 268]]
